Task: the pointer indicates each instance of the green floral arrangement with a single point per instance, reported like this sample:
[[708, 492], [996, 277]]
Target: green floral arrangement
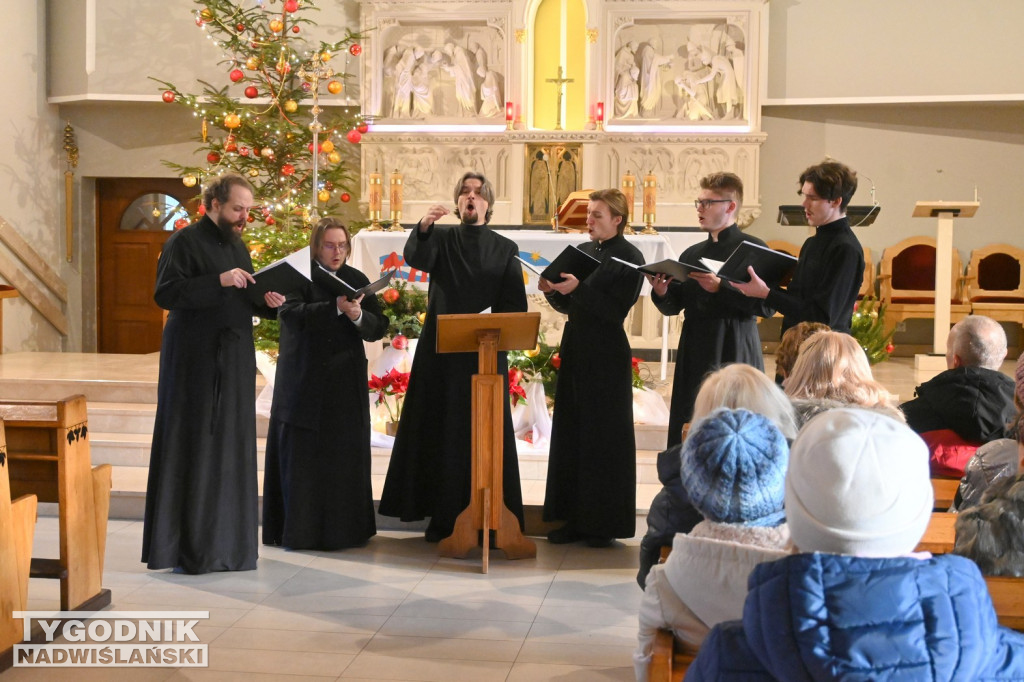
[[539, 364], [868, 327], [267, 244], [405, 307]]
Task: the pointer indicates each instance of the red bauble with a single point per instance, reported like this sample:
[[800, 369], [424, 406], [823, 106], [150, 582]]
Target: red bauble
[[236, 75], [250, 219], [213, 157], [354, 136], [400, 342], [243, 151], [270, 221], [890, 348], [180, 223], [240, 27], [319, 148], [363, 128], [168, 96], [390, 295], [199, 22], [291, 5], [295, 29], [345, 197], [201, 210], [251, 92], [287, 169], [231, 147], [355, 50]]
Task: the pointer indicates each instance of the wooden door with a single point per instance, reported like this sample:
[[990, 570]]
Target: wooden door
[[135, 216]]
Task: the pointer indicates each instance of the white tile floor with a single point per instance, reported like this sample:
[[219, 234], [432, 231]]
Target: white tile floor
[[392, 610]]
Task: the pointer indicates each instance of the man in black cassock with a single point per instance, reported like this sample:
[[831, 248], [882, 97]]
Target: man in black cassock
[[830, 270], [471, 269], [721, 323], [201, 497]]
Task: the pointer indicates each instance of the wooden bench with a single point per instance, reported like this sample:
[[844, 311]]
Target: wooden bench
[[669, 659], [940, 535], [17, 523], [1008, 598], [48, 456], [945, 491]]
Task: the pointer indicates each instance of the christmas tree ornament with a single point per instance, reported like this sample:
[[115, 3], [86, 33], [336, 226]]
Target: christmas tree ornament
[[243, 151], [326, 147], [354, 136], [345, 197], [236, 75], [230, 147], [319, 148], [328, 185], [355, 50], [199, 22], [201, 210], [287, 169], [251, 92], [334, 87], [204, 130], [325, 56], [334, 157], [232, 121], [168, 96], [291, 5], [267, 153], [295, 29], [323, 195], [189, 180], [180, 223], [270, 220], [240, 27], [253, 172], [252, 63], [307, 87], [291, 106], [276, 25], [283, 67], [250, 218], [206, 14], [212, 157], [363, 128]]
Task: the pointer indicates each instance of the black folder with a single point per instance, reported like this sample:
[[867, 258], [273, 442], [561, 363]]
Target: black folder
[[339, 287], [571, 260]]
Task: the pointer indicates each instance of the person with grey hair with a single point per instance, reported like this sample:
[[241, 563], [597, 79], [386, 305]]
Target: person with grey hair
[[201, 496], [969, 404], [472, 268]]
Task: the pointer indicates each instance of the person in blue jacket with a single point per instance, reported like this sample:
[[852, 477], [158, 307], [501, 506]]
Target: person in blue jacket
[[859, 603]]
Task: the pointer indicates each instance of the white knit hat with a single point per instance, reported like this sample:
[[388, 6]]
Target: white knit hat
[[858, 483]]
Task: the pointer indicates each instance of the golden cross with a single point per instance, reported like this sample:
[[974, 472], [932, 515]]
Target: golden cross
[[560, 83]]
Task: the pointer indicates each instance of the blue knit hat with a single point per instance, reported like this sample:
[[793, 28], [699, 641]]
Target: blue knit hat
[[734, 468]]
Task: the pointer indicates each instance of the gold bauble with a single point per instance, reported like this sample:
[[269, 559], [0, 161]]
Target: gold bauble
[[327, 146], [232, 121], [291, 106], [206, 14], [276, 25], [323, 195], [253, 172], [189, 180], [325, 56], [334, 87], [334, 157], [252, 63]]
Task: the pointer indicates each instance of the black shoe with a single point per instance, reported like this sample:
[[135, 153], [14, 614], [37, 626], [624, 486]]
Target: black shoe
[[599, 541], [564, 535]]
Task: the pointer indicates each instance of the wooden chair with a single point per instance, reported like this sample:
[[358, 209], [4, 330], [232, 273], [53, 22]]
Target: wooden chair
[[867, 287], [17, 523], [995, 285], [1008, 598], [785, 247], [48, 456], [669, 659], [906, 282], [944, 490]]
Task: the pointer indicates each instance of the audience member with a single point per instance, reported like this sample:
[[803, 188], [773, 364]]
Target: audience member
[[735, 387], [859, 603], [832, 371], [970, 403], [734, 464], [789, 347]]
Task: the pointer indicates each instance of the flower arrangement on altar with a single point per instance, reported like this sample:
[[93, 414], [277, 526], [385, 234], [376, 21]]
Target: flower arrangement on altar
[[539, 364], [868, 327], [393, 384], [638, 380], [405, 307]]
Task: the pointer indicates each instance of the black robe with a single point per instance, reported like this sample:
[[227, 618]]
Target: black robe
[[316, 484], [718, 329], [471, 268], [201, 498], [826, 281], [592, 460]]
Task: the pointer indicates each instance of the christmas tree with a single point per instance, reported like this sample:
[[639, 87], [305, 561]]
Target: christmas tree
[[265, 122], [868, 327]]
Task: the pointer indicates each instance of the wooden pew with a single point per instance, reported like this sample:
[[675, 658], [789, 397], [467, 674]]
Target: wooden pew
[[669, 659], [1008, 598], [48, 456], [945, 491], [17, 523], [940, 535]]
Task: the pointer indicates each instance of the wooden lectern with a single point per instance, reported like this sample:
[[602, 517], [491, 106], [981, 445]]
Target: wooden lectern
[[486, 334], [945, 211]]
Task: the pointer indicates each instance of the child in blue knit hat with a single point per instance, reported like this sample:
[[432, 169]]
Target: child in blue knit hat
[[734, 468]]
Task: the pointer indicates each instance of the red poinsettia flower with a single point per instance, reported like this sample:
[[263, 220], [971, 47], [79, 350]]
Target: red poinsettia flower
[[515, 375], [517, 393], [636, 364]]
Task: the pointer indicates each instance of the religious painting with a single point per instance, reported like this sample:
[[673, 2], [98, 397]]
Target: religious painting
[[553, 171], [691, 69]]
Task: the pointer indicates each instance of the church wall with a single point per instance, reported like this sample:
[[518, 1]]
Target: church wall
[[31, 177]]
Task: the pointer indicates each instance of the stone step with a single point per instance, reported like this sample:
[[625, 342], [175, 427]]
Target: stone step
[[137, 418]]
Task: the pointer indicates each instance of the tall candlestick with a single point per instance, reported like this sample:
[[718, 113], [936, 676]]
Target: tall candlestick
[[510, 115], [629, 190], [375, 200], [395, 200], [650, 200], [599, 117]]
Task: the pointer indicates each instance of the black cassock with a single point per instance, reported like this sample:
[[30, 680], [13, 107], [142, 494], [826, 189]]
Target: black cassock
[[471, 269], [201, 498], [316, 485], [719, 329], [592, 462]]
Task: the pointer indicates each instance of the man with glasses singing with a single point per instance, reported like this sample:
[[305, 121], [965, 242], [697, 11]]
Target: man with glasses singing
[[830, 271], [721, 324]]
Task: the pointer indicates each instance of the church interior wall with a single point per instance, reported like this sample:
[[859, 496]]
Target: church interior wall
[[828, 92]]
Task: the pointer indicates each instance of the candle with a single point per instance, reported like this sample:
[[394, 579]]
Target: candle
[[395, 196], [509, 111], [650, 197], [629, 189], [376, 198], [600, 112]]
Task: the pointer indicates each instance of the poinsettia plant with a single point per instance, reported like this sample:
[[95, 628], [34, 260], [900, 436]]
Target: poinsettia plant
[[516, 392], [393, 384], [539, 364]]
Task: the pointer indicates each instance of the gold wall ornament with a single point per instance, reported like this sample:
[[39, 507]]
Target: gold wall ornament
[[71, 149], [591, 35], [521, 35]]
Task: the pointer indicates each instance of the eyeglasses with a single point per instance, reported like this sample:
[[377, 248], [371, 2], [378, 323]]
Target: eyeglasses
[[706, 203], [335, 247]]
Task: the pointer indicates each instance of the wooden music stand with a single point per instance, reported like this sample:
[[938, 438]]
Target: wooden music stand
[[486, 334], [945, 211]]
